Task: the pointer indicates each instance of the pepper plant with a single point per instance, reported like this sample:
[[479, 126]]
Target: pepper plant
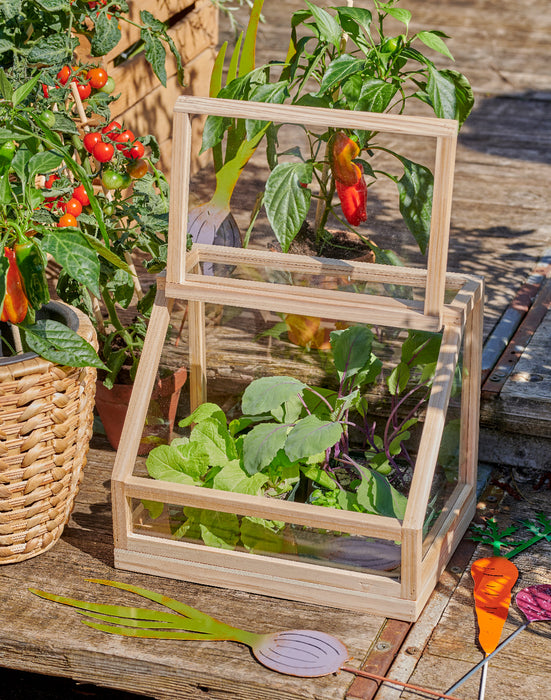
[[345, 58]]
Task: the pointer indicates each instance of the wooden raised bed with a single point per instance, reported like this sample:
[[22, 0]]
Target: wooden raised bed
[[423, 552]]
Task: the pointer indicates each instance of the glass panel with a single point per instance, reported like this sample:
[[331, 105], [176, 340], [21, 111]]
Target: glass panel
[[267, 537]]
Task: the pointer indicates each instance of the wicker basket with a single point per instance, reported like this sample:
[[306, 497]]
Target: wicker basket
[[46, 422]]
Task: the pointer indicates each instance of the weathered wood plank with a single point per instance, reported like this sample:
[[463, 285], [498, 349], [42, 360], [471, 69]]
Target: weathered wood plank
[[47, 638]]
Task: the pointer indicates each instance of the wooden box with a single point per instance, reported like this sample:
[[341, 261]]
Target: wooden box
[[450, 304], [145, 106]]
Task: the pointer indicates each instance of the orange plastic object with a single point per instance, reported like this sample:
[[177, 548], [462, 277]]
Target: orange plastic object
[[494, 578]]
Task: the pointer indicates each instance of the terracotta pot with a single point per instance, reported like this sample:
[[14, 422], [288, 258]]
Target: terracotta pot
[[112, 405]]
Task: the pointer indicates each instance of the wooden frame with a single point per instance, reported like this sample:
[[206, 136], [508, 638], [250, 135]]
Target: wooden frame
[[422, 559]]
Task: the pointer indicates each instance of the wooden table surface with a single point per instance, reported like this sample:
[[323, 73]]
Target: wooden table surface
[[44, 637]]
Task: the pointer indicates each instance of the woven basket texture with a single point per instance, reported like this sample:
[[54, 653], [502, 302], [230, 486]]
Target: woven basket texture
[[46, 423]]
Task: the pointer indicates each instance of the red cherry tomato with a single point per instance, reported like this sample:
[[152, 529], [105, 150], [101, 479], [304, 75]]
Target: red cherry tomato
[[45, 90], [91, 139], [137, 169], [136, 151], [64, 75], [50, 180], [79, 193], [97, 77], [67, 220], [84, 90], [73, 206], [103, 151], [123, 139], [111, 127]]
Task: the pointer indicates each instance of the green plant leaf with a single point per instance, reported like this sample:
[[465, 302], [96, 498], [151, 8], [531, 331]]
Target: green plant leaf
[[415, 189], [219, 529], [464, 98], [375, 95], [155, 54], [420, 348], [268, 393], [311, 435], [398, 13], [23, 91], [434, 41], [351, 349], [338, 71], [261, 445], [262, 535], [286, 201], [52, 50], [106, 35], [154, 508], [327, 26], [376, 495], [216, 441], [4, 264], [43, 162], [441, 92], [321, 477], [352, 18], [202, 412], [233, 478], [398, 379], [247, 62], [57, 343], [182, 464], [69, 249]]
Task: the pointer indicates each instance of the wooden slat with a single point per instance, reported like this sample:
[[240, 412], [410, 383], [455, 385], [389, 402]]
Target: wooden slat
[[178, 214], [258, 506], [319, 117]]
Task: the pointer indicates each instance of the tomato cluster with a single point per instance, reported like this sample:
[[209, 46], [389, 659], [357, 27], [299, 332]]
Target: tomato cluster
[[116, 145], [95, 78], [69, 206]]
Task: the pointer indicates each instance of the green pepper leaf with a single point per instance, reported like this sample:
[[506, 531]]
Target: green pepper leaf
[[69, 249], [434, 41], [55, 342], [328, 28], [338, 70], [286, 201], [415, 189], [375, 95]]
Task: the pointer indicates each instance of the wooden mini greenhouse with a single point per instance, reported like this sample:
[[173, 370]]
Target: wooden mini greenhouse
[[428, 300]]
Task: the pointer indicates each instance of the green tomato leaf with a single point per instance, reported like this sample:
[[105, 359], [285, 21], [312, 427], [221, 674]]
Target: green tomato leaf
[[327, 26], [55, 342], [375, 95], [311, 435], [155, 54], [70, 250], [52, 50], [268, 393], [338, 70], [261, 445], [434, 41], [415, 189], [106, 35], [286, 201]]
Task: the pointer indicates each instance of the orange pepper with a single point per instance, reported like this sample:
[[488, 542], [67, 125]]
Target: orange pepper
[[15, 305], [343, 152]]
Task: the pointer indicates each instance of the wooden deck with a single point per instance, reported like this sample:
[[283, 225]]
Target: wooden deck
[[500, 229]]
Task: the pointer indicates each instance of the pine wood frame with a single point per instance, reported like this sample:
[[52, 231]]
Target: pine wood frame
[[460, 320]]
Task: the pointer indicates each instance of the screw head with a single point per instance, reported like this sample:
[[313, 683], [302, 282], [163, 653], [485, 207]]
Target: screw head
[[412, 651], [382, 646]]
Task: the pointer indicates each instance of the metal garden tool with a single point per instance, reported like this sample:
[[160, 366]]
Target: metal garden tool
[[535, 603], [304, 653]]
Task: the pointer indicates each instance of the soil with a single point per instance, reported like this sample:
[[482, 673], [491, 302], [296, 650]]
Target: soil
[[341, 245]]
